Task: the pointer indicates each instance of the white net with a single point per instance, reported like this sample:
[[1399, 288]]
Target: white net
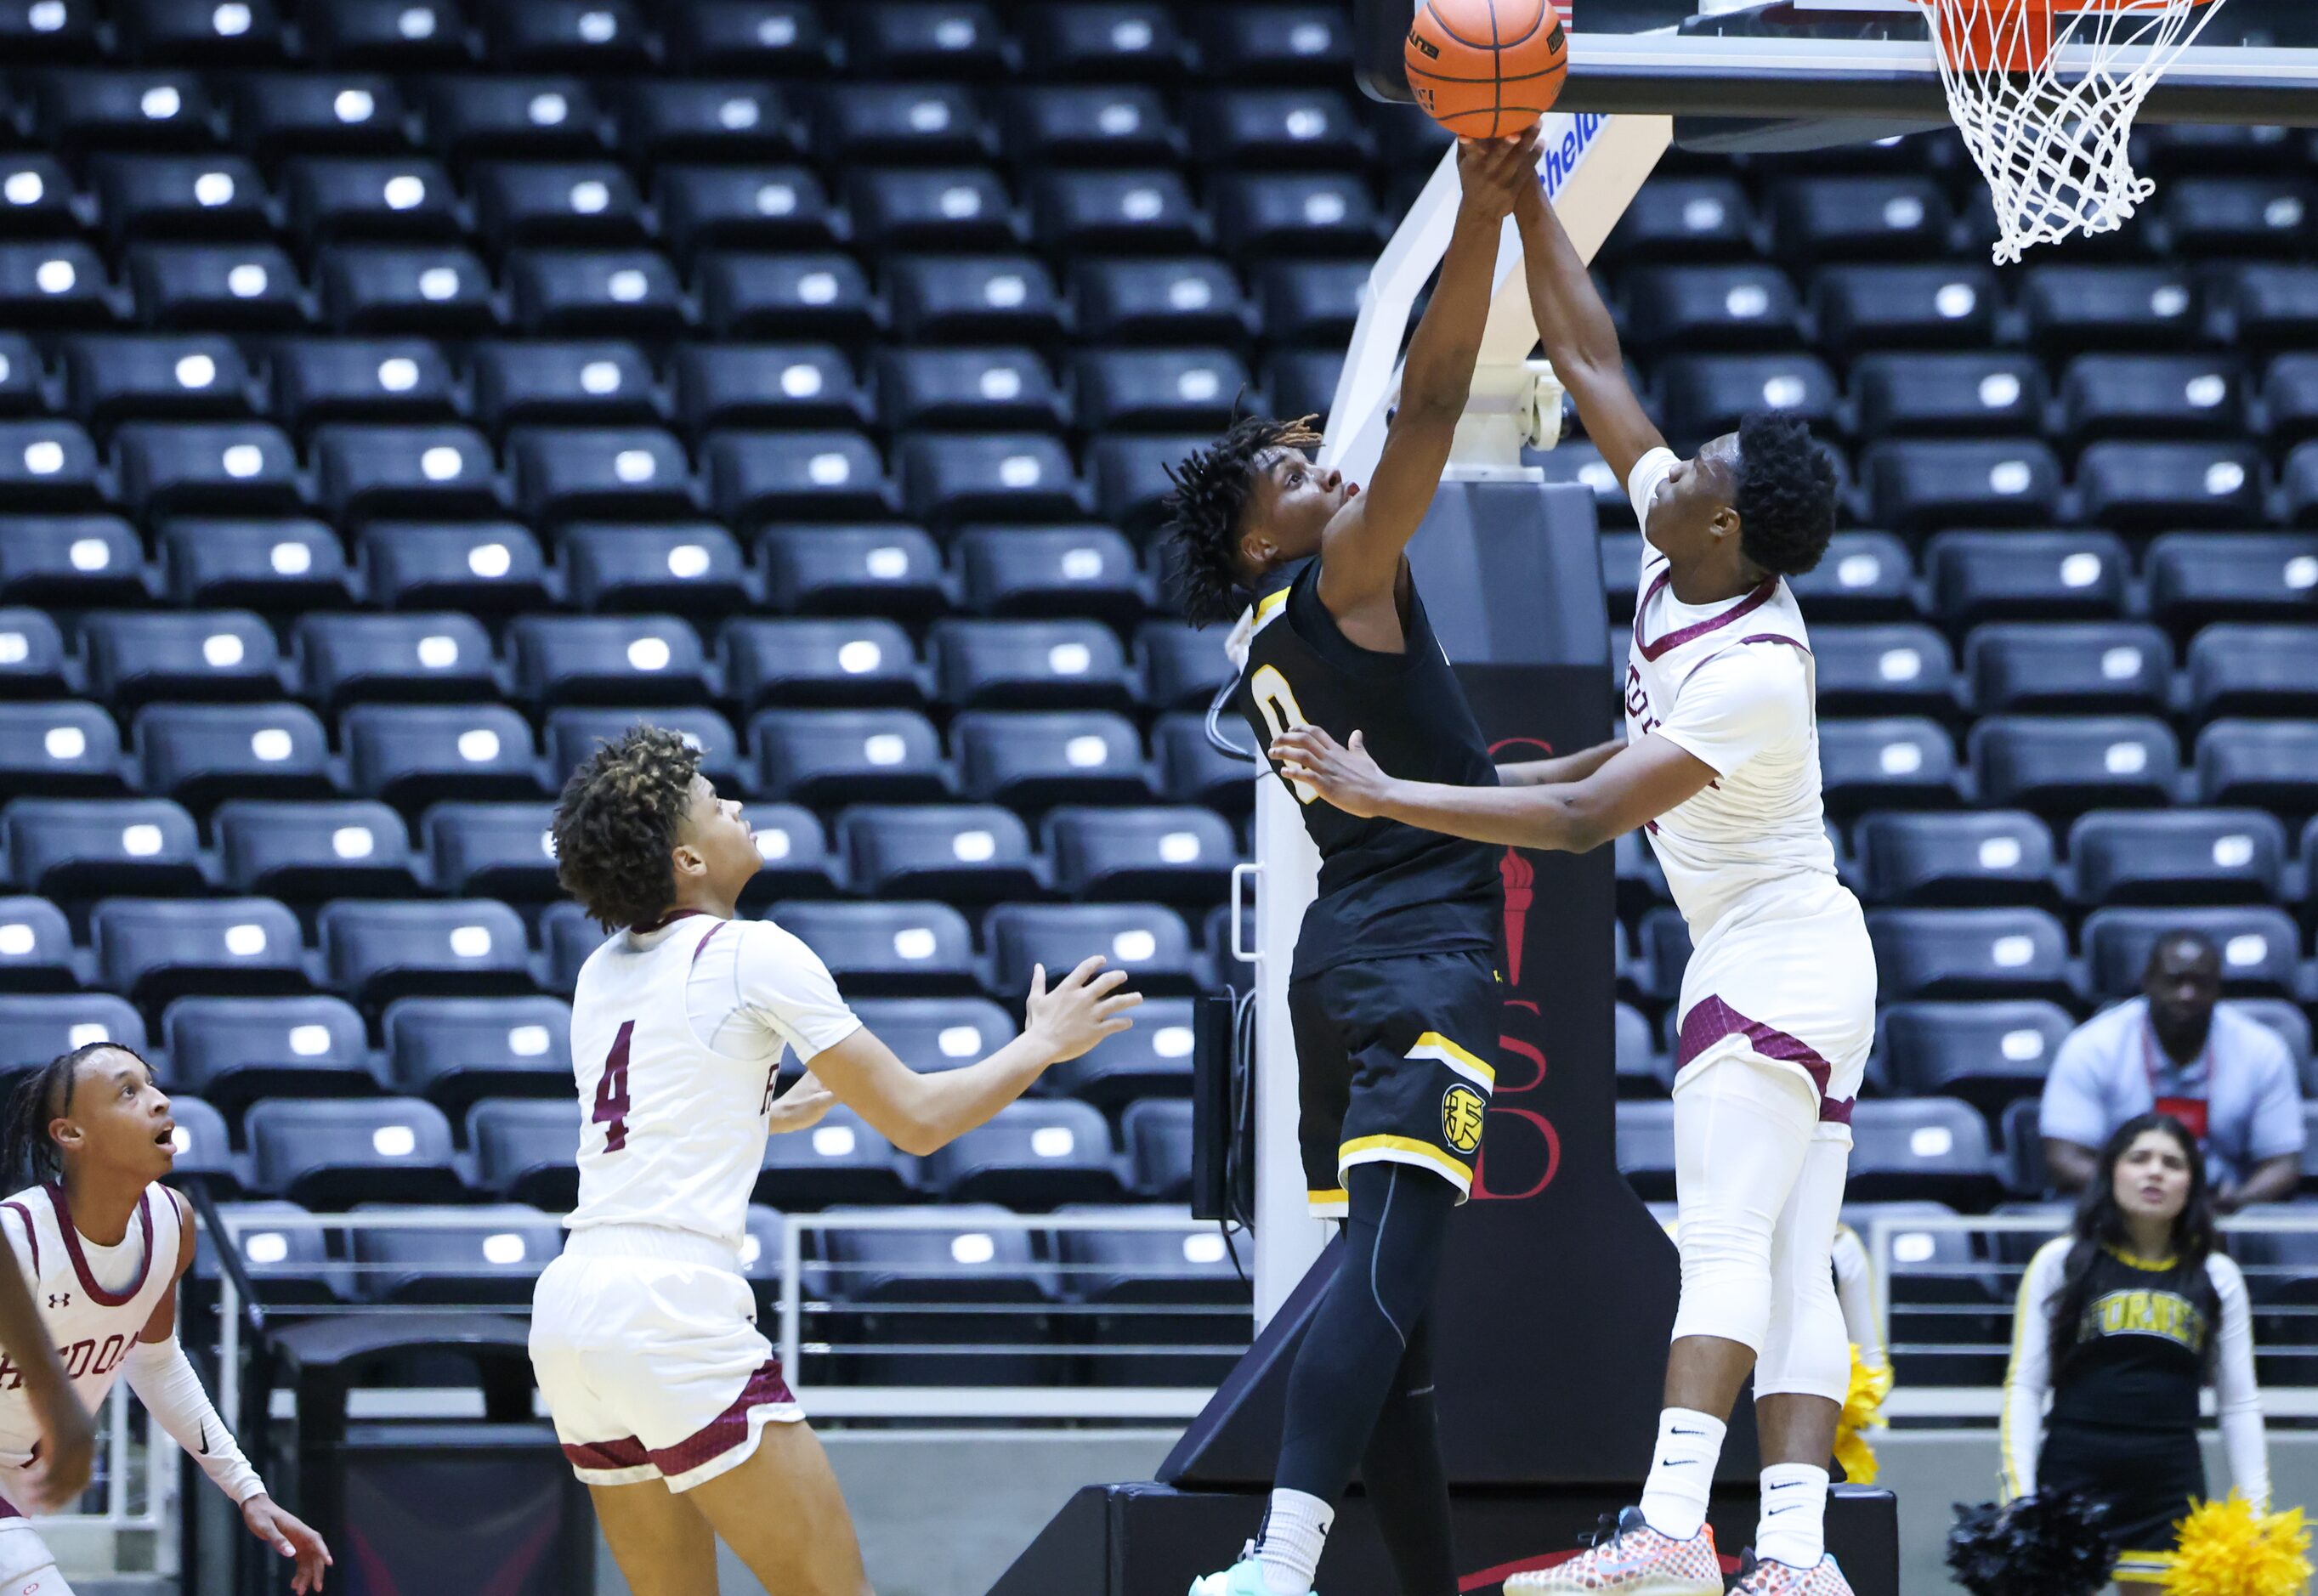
[[2046, 98]]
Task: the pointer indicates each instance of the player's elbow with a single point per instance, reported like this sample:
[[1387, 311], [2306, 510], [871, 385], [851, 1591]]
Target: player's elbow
[[917, 1135]]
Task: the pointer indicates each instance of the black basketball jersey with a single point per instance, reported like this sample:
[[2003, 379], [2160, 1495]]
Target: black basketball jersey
[[1385, 887], [2138, 1354]]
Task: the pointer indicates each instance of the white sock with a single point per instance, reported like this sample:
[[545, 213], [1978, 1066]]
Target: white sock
[[1288, 1550], [1682, 1472], [1794, 1525]]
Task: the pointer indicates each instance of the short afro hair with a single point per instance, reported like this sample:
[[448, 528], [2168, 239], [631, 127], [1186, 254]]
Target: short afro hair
[[1202, 531], [1785, 495], [615, 826]]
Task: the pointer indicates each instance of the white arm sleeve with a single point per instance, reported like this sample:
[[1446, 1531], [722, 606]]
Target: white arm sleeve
[[166, 1383], [2028, 1377], [1855, 1292], [2237, 1399], [786, 987], [1738, 704]]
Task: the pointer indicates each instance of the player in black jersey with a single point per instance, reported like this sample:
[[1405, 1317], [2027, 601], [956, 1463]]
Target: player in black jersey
[[1393, 990], [2122, 1321]]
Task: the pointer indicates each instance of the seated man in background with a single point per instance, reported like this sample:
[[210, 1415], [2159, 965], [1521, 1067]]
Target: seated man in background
[[2175, 1050]]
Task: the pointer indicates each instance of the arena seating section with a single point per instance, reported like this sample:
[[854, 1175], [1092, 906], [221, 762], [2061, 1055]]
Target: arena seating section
[[394, 400]]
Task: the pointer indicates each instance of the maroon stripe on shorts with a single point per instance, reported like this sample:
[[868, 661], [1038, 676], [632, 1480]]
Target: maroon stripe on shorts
[[728, 1429], [628, 1452], [1712, 1019]]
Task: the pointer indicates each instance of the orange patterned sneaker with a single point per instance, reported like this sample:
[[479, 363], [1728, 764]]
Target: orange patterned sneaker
[[1629, 1559], [1768, 1576]]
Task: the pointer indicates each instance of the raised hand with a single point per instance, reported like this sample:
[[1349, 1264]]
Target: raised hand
[[1346, 776], [1496, 171], [1087, 1005]]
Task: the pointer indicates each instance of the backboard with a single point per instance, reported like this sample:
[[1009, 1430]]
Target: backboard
[[1865, 62]]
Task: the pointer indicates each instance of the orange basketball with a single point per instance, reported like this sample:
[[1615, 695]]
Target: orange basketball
[[1484, 69]]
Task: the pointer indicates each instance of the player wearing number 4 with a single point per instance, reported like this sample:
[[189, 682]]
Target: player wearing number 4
[[103, 1247], [1393, 992], [667, 1400], [1720, 766]]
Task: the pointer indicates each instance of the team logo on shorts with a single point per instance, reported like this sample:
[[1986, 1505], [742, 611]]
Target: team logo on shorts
[[1462, 1108]]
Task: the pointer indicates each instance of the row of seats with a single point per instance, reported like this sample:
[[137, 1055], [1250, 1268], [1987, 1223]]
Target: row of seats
[[153, 949], [330, 1153], [413, 755], [2019, 951], [75, 848], [736, 293], [131, 658], [2186, 579], [455, 1052], [104, 379], [1139, 39], [354, 472], [2112, 856]]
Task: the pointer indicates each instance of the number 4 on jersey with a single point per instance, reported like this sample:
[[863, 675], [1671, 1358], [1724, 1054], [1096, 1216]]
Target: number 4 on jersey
[[612, 1091]]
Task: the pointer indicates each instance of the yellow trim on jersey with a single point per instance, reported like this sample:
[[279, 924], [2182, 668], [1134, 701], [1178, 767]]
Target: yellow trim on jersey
[[2023, 1320], [1268, 608], [2133, 1260], [1406, 1150], [1439, 1048], [1329, 1204]]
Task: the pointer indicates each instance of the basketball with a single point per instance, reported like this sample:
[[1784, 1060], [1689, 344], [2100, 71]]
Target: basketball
[[1485, 68]]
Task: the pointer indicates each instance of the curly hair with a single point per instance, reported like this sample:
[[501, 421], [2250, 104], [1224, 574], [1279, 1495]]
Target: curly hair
[[616, 822], [1786, 496], [27, 1150], [1202, 530]]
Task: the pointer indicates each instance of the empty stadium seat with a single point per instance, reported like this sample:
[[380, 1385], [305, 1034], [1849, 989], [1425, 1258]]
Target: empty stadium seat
[[376, 951], [836, 755], [1181, 1290], [2253, 669], [840, 1160], [957, 853], [932, 1035], [1042, 571], [604, 659], [133, 658], [284, 1254], [306, 851], [1922, 486], [1033, 760], [1986, 856], [1969, 953], [1173, 854], [2064, 764], [2143, 487], [1152, 1059], [1173, 301], [69, 559], [1149, 941], [2264, 765], [526, 1152], [269, 565], [493, 850], [82, 847], [36, 947], [1948, 394], [36, 1029], [488, 1256], [1645, 1148], [1896, 668], [1032, 1155], [574, 734], [2181, 856], [2161, 396], [410, 755], [2117, 666], [483, 568], [1987, 1054], [456, 1051], [894, 570], [1901, 760], [330, 1155], [855, 661], [2071, 308], [1931, 1149], [1949, 306], [231, 1052], [1699, 309], [897, 949], [199, 753], [1158, 1134], [797, 861]]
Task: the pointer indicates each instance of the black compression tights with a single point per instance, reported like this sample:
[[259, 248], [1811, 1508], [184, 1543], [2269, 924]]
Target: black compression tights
[[1361, 1391]]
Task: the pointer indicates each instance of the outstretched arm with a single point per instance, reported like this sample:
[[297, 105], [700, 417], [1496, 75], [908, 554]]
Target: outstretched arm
[[67, 1435], [1360, 551], [1633, 788], [1564, 768], [1579, 337]]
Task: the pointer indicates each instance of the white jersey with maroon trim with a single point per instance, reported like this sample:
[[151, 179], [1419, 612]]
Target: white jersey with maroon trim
[[1781, 965], [677, 1037], [93, 1327]]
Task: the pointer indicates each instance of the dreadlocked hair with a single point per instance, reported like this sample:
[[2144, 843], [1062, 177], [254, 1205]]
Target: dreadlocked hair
[[617, 823], [27, 1150], [1202, 529], [1786, 496]]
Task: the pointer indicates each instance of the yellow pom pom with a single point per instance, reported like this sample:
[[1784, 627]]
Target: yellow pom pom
[[2233, 1549], [1863, 1410]]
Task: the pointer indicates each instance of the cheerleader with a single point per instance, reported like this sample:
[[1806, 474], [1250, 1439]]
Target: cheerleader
[[2121, 1322]]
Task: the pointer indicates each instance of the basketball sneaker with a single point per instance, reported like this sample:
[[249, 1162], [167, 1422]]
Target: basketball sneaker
[[1768, 1576], [1629, 1559], [1243, 1578]]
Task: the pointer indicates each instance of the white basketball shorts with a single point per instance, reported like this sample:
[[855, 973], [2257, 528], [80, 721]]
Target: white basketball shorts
[[649, 1357], [27, 1566]]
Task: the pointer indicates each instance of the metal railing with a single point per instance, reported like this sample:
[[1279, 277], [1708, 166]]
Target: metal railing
[[1945, 1287]]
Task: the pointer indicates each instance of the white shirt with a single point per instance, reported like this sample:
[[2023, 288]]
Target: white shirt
[[677, 1039], [2028, 1378], [1733, 685], [93, 1301]]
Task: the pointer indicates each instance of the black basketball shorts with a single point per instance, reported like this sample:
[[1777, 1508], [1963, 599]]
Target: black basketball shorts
[[1397, 1057]]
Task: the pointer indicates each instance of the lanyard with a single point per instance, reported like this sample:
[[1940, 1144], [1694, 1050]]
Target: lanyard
[[2149, 1062], [2193, 1112]]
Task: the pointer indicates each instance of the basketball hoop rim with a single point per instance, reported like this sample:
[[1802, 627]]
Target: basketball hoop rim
[[2019, 36]]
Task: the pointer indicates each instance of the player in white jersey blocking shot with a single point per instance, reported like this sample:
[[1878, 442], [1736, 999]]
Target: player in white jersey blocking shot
[[1720, 766], [103, 1247], [669, 1401]]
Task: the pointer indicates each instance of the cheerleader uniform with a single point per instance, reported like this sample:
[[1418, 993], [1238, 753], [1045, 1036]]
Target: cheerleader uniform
[[2123, 1426]]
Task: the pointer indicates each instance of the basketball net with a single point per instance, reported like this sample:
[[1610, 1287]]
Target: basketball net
[[2046, 104]]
